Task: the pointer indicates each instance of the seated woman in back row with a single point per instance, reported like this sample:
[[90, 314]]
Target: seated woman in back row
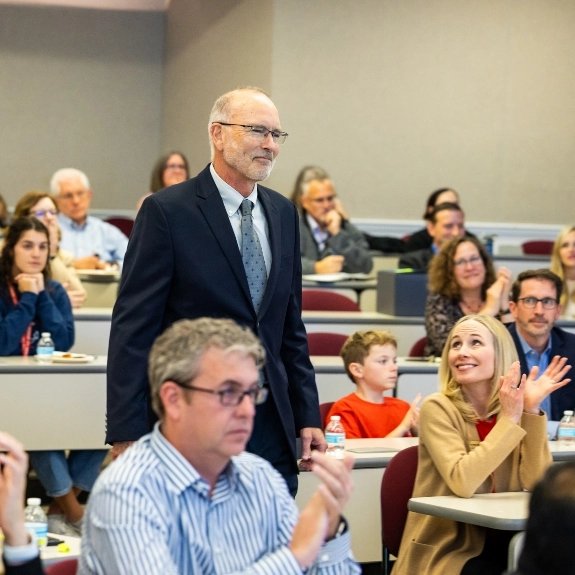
[[484, 432], [461, 282], [563, 264]]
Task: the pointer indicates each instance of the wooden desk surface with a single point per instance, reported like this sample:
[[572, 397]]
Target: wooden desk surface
[[506, 511]]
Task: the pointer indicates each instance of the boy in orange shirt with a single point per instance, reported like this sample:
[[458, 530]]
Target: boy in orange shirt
[[370, 362]]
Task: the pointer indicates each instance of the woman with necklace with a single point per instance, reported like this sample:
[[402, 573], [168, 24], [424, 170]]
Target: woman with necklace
[[462, 281]]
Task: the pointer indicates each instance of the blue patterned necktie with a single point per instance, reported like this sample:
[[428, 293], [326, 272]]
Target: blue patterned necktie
[[253, 256]]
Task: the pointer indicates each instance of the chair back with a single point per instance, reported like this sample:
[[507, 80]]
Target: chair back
[[327, 300], [324, 410], [322, 343], [396, 490], [515, 548], [64, 567], [125, 225], [418, 348], [537, 247]]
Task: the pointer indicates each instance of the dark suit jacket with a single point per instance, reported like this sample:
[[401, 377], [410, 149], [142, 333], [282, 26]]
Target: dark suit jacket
[[418, 260], [32, 567], [562, 344], [183, 261]]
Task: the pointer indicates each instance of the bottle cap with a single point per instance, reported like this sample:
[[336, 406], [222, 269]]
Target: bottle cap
[[568, 412], [45, 334], [33, 501], [335, 417]]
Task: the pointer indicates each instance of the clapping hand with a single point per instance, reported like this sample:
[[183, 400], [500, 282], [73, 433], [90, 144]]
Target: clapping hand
[[537, 389]]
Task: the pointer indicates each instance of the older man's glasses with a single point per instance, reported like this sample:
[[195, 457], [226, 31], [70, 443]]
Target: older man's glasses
[[259, 132], [231, 396], [80, 194], [531, 302]]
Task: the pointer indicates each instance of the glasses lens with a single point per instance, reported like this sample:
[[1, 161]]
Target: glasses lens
[[548, 302]]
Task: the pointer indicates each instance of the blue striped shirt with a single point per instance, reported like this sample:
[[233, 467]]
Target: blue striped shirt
[[150, 512]]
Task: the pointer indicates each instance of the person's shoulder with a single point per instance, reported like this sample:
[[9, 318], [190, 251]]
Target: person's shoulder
[[565, 337], [395, 401], [434, 400], [255, 472]]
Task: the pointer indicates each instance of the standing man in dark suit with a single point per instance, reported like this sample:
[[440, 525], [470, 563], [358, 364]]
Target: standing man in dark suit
[[186, 259], [535, 307]]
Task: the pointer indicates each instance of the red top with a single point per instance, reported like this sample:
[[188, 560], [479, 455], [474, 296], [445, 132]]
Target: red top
[[362, 419], [484, 427]]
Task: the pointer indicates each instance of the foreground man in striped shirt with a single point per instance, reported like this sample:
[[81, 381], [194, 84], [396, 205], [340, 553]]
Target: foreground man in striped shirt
[[187, 498]]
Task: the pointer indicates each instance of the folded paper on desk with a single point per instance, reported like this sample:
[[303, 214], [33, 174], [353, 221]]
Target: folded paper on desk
[[338, 277], [372, 450]]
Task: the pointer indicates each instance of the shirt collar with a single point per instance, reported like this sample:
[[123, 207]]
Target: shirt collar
[[182, 474], [232, 198], [528, 349]]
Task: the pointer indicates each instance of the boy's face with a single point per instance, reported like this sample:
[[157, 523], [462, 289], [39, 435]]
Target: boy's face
[[379, 369]]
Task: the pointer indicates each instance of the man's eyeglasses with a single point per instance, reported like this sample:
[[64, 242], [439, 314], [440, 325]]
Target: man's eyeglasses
[[80, 194], [327, 199], [230, 396], [42, 213], [175, 167], [531, 302], [463, 262], [260, 132]]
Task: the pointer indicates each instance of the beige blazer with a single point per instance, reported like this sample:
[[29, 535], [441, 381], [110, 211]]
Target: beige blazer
[[452, 461]]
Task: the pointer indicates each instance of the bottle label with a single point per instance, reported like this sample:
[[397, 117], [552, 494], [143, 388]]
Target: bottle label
[[41, 530], [566, 433], [335, 438]]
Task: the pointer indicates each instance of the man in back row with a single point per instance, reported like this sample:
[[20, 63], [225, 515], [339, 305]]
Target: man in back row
[[95, 244], [187, 498], [447, 221], [535, 307]]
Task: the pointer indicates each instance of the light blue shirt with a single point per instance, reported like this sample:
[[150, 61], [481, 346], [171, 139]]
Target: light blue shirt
[[319, 235], [94, 237], [542, 362], [151, 512], [232, 201]]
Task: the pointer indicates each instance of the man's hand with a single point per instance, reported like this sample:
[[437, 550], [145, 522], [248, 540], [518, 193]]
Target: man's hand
[[321, 517], [88, 263], [333, 221], [311, 438], [118, 447], [329, 265], [14, 466]]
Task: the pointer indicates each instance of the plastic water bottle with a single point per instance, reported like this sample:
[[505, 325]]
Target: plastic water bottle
[[566, 430], [36, 520], [45, 348], [335, 437]]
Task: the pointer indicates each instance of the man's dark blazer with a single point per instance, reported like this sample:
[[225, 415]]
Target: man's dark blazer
[[183, 261], [32, 567], [562, 344], [418, 260]]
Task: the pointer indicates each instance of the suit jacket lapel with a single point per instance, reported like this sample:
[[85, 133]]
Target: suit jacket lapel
[[212, 207], [274, 230]]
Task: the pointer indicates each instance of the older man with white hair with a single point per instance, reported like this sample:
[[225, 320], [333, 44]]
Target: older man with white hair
[[95, 244]]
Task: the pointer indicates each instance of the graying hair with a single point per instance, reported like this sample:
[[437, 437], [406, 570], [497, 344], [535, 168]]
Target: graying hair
[[222, 108], [67, 174], [176, 354]]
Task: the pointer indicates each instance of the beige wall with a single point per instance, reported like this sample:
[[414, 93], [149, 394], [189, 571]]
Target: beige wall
[[394, 98], [80, 88]]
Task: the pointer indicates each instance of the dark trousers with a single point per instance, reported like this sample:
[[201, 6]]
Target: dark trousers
[[269, 441], [493, 558]]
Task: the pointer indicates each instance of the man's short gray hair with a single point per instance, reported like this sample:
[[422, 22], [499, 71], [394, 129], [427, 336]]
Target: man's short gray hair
[[222, 108], [67, 174], [176, 354]]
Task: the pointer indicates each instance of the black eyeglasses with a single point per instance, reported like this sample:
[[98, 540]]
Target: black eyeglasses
[[230, 396], [531, 302], [260, 132]]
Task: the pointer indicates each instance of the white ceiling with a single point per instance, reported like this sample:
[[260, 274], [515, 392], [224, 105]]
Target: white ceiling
[[154, 5]]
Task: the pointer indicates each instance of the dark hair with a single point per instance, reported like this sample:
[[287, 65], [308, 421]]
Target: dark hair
[[306, 175], [444, 206], [441, 275], [157, 180], [550, 531], [11, 237], [432, 199], [542, 274]]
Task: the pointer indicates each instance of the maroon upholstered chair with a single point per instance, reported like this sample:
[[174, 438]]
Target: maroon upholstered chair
[[537, 247], [322, 343], [324, 410], [65, 567], [125, 225], [418, 348], [327, 300], [396, 490]]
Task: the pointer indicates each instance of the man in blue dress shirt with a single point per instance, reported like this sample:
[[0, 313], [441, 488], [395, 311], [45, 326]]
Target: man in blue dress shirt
[[535, 307], [95, 244], [187, 498]]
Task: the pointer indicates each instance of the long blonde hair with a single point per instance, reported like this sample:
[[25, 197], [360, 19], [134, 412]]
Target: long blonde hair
[[557, 266], [505, 355]]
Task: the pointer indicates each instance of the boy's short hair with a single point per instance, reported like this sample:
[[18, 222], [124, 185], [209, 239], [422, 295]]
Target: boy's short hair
[[358, 345]]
